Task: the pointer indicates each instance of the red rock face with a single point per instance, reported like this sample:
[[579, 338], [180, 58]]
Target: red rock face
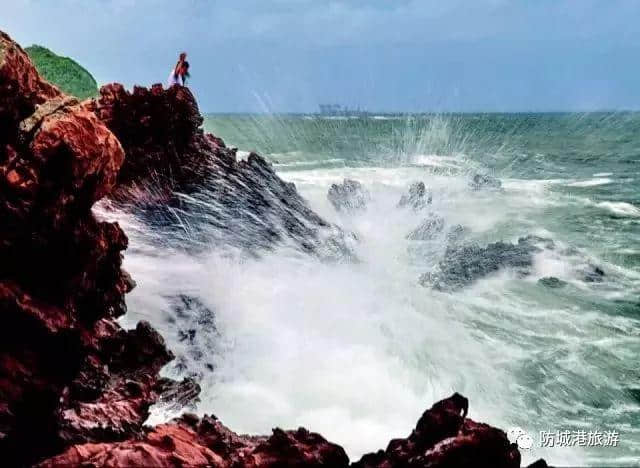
[[160, 131], [67, 372], [20, 85], [190, 441], [443, 437], [75, 388]]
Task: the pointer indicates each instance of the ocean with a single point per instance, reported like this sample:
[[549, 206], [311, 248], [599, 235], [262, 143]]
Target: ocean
[[358, 350]]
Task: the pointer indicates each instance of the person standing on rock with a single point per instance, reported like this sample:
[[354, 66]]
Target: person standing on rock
[[180, 72]]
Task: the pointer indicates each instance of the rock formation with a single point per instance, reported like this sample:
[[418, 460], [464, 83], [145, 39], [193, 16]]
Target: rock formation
[[349, 196], [485, 181], [429, 228], [75, 388], [464, 264], [417, 198], [68, 372], [443, 437], [167, 151]]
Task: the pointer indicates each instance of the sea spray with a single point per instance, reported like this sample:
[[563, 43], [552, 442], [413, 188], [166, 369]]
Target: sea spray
[[356, 350]]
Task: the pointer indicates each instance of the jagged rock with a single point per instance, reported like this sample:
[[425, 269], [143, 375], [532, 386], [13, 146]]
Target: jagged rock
[[463, 264], [485, 181], [21, 88], [417, 198], [239, 203], [191, 441], [349, 196], [443, 437], [428, 229], [593, 274], [192, 324], [177, 396], [160, 132], [68, 372]]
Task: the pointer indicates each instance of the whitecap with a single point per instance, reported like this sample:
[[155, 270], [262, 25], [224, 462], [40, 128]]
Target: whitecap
[[620, 208], [590, 182], [435, 160], [311, 162]]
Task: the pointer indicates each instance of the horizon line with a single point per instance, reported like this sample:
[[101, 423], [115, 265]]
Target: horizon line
[[428, 112]]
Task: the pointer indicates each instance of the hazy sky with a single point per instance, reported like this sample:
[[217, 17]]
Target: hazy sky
[[291, 55]]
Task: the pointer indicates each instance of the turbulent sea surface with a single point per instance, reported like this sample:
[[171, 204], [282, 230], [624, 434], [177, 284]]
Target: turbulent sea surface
[[357, 350]]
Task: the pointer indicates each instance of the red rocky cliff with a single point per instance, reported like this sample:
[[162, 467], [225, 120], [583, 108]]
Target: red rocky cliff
[[162, 136], [68, 373], [443, 438], [75, 388]]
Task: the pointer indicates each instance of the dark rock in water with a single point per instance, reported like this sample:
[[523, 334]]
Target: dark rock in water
[[190, 186], [552, 282], [539, 464], [428, 229], [593, 274], [462, 265], [485, 181], [196, 332], [417, 198], [349, 196], [456, 233], [176, 396], [634, 393]]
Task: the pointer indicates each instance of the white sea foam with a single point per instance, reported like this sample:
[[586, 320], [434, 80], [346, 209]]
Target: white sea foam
[[311, 162], [435, 160], [358, 351], [590, 183], [620, 208]]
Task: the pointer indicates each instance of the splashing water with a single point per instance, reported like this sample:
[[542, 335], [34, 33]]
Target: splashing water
[[357, 350]]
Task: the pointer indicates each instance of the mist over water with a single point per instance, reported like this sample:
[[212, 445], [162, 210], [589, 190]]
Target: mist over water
[[357, 350]]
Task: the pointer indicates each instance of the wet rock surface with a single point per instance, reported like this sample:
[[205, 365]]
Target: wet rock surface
[[593, 274], [75, 387], [443, 437], [464, 264], [188, 185], [349, 196], [428, 229], [68, 372], [485, 182], [418, 197]]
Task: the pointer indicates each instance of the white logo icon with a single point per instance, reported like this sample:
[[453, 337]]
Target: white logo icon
[[517, 435]]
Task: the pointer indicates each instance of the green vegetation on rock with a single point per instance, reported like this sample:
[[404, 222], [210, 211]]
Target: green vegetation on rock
[[63, 72]]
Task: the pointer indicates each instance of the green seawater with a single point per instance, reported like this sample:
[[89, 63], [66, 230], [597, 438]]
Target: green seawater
[[564, 352], [598, 154]]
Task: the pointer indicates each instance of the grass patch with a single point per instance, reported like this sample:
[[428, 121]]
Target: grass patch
[[63, 72]]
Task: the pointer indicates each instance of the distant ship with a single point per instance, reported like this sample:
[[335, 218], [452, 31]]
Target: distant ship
[[336, 110]]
